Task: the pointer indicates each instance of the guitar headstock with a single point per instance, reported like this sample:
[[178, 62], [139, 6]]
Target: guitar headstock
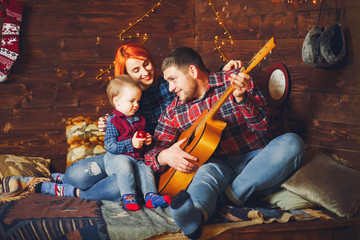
[[260, 55]]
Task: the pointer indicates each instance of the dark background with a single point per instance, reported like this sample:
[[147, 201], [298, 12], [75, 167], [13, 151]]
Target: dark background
[[64, 44]]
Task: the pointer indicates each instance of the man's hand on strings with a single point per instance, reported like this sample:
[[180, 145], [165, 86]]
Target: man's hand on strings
[[176, 158], [241, 82], [232, 64]]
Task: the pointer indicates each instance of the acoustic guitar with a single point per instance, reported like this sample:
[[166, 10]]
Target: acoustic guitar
[[203, 137]]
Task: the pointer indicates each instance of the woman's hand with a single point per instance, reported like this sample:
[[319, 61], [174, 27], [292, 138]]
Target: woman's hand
[[232, 64], [176, 158], [137, 142], [102, 123], [241, 83]]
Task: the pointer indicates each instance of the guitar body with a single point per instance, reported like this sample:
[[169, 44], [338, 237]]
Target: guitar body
[[204, 135], [202, 140]]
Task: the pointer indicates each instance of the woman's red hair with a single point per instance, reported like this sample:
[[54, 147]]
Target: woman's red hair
[[130, 50]]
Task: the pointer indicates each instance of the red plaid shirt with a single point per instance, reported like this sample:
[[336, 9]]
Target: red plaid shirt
[[119, 132], [247, 127]]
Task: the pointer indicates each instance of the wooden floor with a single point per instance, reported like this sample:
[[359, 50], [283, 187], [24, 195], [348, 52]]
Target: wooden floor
[[339, 229]]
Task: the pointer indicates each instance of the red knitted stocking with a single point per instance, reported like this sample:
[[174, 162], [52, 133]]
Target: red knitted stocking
[[10, 36]]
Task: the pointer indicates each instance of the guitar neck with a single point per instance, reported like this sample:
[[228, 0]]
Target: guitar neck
[[220, 101], [248, 67]]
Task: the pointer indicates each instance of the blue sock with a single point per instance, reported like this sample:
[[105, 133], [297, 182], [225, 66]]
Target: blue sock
[[56, 189], [130, 203], [153, 200], [186, 215], [58, 177]]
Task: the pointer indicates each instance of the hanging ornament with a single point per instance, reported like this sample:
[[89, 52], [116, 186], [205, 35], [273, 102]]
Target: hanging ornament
[[10, 36]]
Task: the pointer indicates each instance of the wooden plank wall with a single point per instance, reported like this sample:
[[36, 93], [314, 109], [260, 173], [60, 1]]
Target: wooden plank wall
[[65, 43]]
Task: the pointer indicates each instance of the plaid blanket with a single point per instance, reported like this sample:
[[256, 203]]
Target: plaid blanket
[[28, 215]]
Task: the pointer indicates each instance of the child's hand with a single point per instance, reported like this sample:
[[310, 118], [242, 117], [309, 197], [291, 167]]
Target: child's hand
[[148, 140], [143, 134], [137, 142]]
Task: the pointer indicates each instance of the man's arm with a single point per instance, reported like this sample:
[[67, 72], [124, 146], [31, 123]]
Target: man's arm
[[166, 151], [251, 104]]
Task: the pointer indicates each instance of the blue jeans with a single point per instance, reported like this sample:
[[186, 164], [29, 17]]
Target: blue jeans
[[90, 177], [258, 170], [255, 171], [264, 169], [129, 171], [209, 182]]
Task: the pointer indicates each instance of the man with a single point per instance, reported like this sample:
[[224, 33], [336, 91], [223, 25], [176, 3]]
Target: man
[[246, 157]]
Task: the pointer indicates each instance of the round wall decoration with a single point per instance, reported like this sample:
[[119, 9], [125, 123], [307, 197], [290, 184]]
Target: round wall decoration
[[277, 85]]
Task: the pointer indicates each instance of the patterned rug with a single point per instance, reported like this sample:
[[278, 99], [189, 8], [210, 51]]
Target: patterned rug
[[157, 223], [40, 216]]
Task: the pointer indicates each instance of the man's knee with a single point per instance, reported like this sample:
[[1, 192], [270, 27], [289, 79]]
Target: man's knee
[[294, 142], [293, 149], [215, 172], [210, 168]]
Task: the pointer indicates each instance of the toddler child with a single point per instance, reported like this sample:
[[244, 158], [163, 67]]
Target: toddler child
[[125, 140]]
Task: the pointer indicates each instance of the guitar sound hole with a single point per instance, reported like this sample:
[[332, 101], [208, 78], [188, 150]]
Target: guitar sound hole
[[191, 138]]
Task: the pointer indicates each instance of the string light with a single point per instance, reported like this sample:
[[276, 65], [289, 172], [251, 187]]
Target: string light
[[131, 25], [303, 1], [217, 39], [121, 36], [102, 72]]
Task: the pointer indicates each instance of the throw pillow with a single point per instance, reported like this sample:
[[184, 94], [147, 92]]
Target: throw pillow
[[287, 200], [327, 182], [12, 165], [84, 139]]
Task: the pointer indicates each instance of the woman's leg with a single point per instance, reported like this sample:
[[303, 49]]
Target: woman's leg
[[89, 176], [105, 189], [119, 180], [85, 172]]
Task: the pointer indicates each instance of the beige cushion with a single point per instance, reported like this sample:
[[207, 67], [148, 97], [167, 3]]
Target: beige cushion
[[327, 182], [12, 165], [287, 200], [84, 139]]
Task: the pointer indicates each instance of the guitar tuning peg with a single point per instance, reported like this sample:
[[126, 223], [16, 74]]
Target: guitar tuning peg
[[264, 58], [270, 52]]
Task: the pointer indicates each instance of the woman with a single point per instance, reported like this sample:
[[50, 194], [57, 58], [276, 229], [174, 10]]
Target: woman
[[137, 62], [88, 174]]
